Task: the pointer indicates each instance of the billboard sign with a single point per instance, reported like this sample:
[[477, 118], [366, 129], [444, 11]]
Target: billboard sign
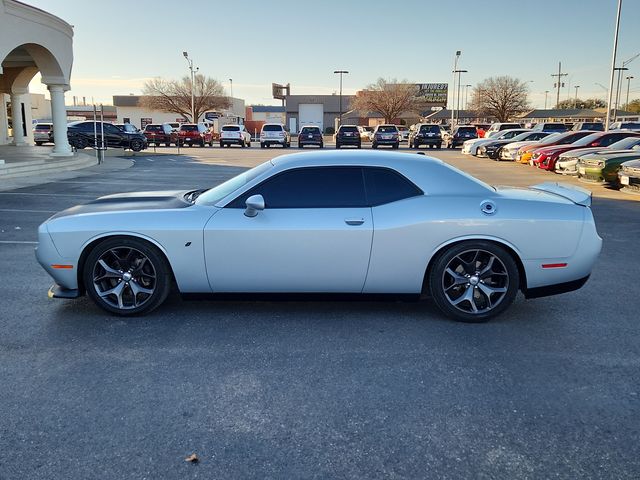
[[433, 93], [280, 91]]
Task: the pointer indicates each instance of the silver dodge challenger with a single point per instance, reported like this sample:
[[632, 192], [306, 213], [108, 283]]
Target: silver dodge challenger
[[328, 222]]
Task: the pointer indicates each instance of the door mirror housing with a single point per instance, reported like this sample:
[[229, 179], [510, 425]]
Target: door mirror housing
[[255, 204]]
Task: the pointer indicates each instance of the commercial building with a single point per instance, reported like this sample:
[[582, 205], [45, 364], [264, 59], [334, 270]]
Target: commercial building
[[32, 41], [319, 110], [130, 110]]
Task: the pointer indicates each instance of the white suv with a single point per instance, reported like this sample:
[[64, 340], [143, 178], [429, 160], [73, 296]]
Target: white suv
[[274, 134], [235, 134]]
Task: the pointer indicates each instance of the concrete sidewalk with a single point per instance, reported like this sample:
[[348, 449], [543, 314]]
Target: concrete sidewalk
[[27, 166]]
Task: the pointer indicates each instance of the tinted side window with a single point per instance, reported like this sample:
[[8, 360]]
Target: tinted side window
[[386, 186], [322, 187]]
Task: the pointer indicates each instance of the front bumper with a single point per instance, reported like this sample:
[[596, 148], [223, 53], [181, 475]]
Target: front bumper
[[629, 182], [591, 174], [64, 271]]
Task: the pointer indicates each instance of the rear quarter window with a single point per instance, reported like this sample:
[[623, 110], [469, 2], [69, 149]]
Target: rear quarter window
[[384, 185]]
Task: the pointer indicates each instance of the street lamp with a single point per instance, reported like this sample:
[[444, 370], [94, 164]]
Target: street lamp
[[546, 92], [466, 97], [613, 66], [629, 78], [575, 102], [453, 89], [231, 86], [193, 108], [619, 70], [459, 72], [340, 72]]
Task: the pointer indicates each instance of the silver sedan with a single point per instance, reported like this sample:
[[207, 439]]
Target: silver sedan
[[328, 222]]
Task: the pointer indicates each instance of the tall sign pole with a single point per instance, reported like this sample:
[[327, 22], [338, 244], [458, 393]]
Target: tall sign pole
[[453, 89], [559, 84], [340, 72]]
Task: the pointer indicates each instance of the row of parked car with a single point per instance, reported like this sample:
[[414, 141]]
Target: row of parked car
[[611, 157]]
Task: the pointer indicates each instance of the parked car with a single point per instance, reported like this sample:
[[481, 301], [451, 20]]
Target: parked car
[[493, 149], [274, 134], [328, 222], [43, 133], [629, 176], [472, 146], [366, 133], [498, 127], [593, 126], [545, 158], [602, 167], [403, 132], [525, 153], [459, 135], [481, 129], [386, 135], [425, 134], [567, 163], [158, 133], [234, 135], [510, 151], [310, 135], [634, 126], [550, 127], [195, 134], [81, 135], [348, 135]]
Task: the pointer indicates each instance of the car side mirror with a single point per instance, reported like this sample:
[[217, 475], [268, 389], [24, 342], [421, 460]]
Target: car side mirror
[[255, 204]]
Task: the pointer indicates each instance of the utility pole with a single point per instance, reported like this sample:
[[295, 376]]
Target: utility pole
[[613, 66], [466, 96], [453, 89], [546, 92], [575, 102], [617, 102], [459, 72], [231, 87], [340, 72], [559, 83], [629, 78]]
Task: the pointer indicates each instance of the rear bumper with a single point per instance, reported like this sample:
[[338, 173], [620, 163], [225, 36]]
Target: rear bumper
[[349, 140], [427, 141], [231, 140], [556, 289]]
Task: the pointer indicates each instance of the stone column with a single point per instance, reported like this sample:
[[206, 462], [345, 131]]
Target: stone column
[[4, 124], [17, 99], [59, 116]]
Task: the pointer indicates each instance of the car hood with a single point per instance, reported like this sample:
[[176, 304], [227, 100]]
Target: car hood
[[632, 164], [119, 202], [629, 154]]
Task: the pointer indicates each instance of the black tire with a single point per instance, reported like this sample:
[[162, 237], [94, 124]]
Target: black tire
[[468, 260], [190, 145], [155, 264], [242, 144], [322, 145], [80, 143], [211, 143], [374, 145], [439, 146], [261, 145], [338, 145], [136, 145], [300, 145], [359, 145], [202, 143], [249, 144], [221, 144], [39, 143], [168, 144], [396, 146]]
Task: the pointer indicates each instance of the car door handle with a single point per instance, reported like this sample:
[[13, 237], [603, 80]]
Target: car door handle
[[354, 221]]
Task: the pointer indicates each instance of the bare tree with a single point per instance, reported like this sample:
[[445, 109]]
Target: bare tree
[[389, 98], [175, 96], [500, 97]]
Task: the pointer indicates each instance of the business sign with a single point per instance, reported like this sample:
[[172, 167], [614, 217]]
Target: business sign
[[435, 93], [212, 115], [280, 91], [144, 121]]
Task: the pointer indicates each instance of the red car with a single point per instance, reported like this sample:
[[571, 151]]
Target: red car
[[546, 157], [195, 134]]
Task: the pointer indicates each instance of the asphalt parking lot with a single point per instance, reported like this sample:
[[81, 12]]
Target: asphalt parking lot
[[265, 389]]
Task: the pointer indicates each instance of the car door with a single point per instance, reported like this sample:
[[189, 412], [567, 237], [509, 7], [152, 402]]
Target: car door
[[314, 235], [113, 135]]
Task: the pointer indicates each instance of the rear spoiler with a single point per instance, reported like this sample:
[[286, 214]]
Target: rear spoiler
[[578, 195]]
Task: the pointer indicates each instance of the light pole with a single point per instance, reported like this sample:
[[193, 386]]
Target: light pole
[[459, 72], [340, 72], [231, 87], [613, 66], [466, 96], [629, 78], [617, 102], [546, 92], [193, 108], [453, 89], [575, 102]]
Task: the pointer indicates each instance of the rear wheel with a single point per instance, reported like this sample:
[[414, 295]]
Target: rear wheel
[[39, 143], [374, 145], [127, 276], [473, 281], [261, 145]]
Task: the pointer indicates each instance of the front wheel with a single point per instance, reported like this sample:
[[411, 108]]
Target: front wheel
[[136, 145], [473, 281], [127, 276]]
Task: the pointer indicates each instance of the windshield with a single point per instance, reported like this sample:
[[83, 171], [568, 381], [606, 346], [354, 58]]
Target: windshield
[[625, 143], [584, 141], [215, 194], [43, 127], [348, 128], [272, 128], [230, 128], [467, 129], [387, 129], [153, 128], [306, 130], [189, 128], [630, 125]]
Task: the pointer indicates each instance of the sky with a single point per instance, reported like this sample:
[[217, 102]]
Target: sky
[[120, 44]]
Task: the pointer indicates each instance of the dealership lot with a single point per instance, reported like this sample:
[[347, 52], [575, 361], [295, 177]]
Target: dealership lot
[[314, 389]]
